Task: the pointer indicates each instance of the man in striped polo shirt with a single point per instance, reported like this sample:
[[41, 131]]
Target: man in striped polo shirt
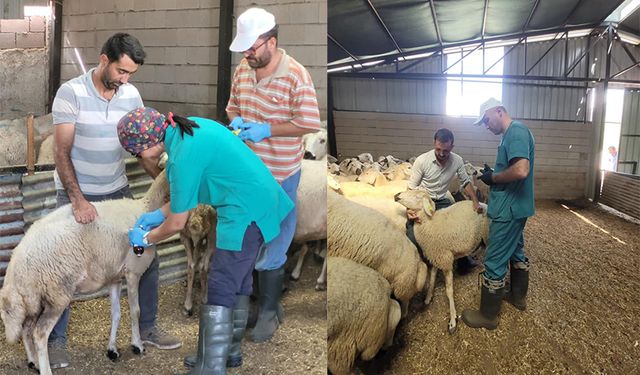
[[90, 165], [274, 102]]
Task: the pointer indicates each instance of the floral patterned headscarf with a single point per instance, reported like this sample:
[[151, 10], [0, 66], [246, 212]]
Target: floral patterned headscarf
[[141, 129]]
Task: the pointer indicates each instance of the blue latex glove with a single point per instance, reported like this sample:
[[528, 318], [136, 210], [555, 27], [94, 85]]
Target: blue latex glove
[[255, 132], [237, 123], [136, 237], [150, 220]]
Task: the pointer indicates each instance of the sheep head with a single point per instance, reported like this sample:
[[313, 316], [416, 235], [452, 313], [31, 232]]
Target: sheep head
[[417, 200]]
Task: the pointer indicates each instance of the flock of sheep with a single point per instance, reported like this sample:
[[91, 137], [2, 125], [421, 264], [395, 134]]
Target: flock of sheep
[[376, 267]]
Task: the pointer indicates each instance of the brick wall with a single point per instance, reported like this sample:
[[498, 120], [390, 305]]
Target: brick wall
[[563, 149], [181, 41], [24, 67]]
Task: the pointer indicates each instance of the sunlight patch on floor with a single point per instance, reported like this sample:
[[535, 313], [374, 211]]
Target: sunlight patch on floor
[[592, 223]]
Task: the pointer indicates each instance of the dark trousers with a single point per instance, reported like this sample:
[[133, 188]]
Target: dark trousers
[[230, 272], [148, 287]]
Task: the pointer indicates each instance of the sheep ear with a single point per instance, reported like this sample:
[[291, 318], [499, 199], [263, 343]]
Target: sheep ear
[[428, 206]]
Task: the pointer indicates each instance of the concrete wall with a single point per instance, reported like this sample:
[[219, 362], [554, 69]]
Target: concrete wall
[[562, 148], [181, 41], [24, 67]]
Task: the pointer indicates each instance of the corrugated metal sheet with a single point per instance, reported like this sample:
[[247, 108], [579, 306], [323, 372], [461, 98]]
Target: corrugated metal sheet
[[37, 195], [545, 102], [622, 192], [629, 149], [11, 222]]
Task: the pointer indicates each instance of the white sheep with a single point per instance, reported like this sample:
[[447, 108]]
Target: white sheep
[[45, 153], [198, 237], [367, 237], [351, 166], [59, 257], [365, 158], [311, 213], [315, 145], [445, 235], [356, 188], [397, 172], [362, 318], [372, 177], [13, 138]]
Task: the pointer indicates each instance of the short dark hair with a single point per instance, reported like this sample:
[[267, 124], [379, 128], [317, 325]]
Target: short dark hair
[[124, 44], [271, 33], [443, 135]]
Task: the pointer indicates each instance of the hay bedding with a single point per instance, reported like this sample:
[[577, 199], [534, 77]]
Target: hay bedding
[[582, 315], [299, 346]]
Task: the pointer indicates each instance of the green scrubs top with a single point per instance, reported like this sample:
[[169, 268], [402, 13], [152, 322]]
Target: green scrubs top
[[515, 199], [215, 167]]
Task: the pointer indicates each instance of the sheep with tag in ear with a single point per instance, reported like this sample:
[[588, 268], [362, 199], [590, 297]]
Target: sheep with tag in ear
[[444, 236]]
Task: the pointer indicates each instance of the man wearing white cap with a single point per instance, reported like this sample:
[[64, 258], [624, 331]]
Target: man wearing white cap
[[510, 204], [273, 102]]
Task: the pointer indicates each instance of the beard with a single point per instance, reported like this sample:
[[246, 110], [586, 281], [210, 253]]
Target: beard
[[256, 62], [108, 82]]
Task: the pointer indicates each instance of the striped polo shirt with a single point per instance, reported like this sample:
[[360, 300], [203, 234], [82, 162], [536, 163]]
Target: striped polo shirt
[[287, 95], [96, 153]]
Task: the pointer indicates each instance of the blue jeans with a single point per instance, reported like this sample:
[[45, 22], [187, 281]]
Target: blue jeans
[[274, 254], [230, 272], [506, 243], [148, 287]]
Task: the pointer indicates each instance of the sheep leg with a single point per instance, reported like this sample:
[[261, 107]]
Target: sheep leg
[[188, 300], [448, 275], [112, 348], [321, 283], [204, 270], [133, 280], [41, 331], [27, 340], [295, 275], [432, 284]]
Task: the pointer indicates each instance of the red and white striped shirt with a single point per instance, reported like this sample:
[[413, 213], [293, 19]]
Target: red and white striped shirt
[[287, 95]]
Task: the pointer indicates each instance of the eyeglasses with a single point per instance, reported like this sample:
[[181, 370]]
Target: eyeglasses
[[253, 50], [485, 121]]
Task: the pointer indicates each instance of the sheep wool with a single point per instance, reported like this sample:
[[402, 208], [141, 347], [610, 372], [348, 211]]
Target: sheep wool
[[362, 317], [365, 236], [59, 257]]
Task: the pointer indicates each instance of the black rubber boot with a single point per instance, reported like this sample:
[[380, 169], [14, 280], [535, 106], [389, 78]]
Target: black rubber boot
[[270, 290], [487, 316], [240, 313], [214, 339], [517, 296]]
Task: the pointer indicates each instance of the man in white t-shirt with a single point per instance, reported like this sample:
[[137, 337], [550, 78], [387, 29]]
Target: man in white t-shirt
[[433, 172]]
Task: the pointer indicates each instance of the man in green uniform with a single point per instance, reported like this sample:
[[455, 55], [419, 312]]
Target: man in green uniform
[[510, 204]]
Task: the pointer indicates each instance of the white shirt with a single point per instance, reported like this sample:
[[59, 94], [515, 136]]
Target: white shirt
[[427, 174]]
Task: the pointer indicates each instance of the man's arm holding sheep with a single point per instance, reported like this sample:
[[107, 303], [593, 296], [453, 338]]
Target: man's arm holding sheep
[[83, 211], [468, 186]]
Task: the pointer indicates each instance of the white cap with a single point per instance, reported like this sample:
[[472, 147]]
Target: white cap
[[251, 24], [484, 107]]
